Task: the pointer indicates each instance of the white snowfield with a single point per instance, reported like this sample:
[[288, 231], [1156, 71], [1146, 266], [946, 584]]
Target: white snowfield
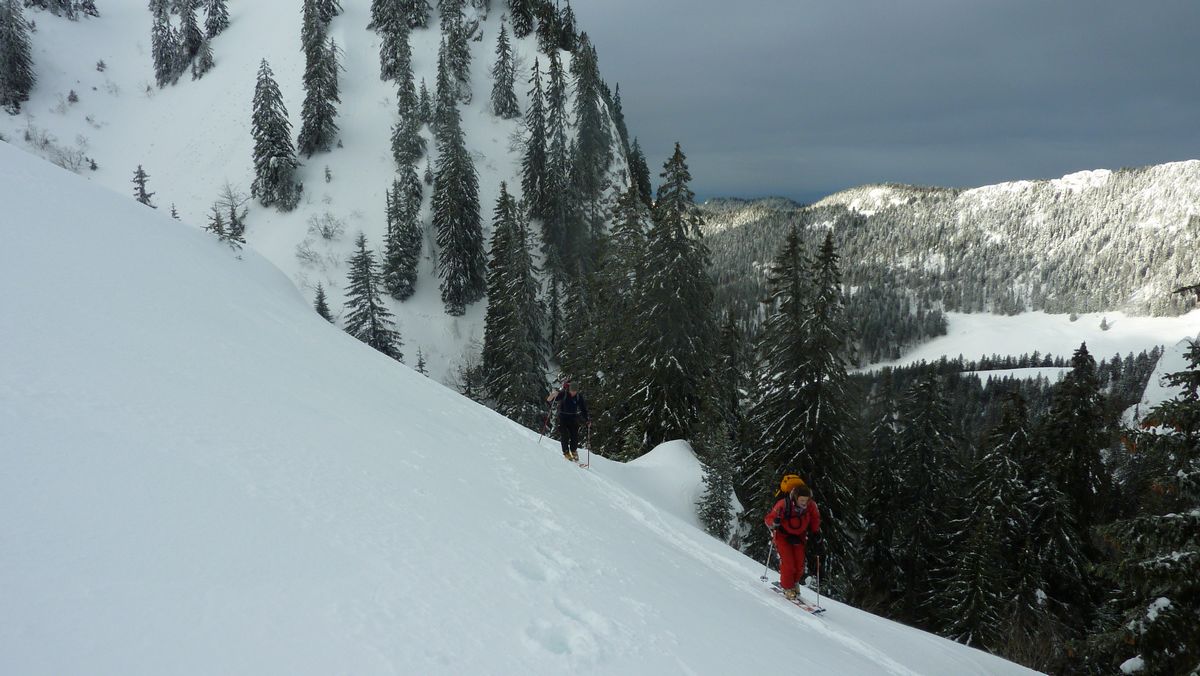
[[198, 475], [981, 334]]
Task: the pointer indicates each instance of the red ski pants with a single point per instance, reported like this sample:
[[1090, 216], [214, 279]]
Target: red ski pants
[[791, 562]]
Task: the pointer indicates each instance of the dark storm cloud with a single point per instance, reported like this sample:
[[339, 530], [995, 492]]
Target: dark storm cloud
[[802, 98]]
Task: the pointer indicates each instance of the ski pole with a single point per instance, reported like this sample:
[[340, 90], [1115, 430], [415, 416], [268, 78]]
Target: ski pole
[[589, 446], [545, 423], [767, 564]]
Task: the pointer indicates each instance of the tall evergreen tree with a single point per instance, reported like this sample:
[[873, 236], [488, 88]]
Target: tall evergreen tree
[[274, 157], [592, 149], [618, 117], [458, 57], [367, 318], [190, 35], [715, 508], [639, 173], [1076, 434], [880, 575], [424, 105], [925, 453], [567, 40], [462, 264], [403, 249], [164, 50], [533, 163], [395, 52], [548, 35], [216, 17], [445, 101], [513, 363], [16, 61], [320, 304], [672, 364], [327, 9], [504, 75], [560, 241], [139, 187], [990, 532], [318, 130]]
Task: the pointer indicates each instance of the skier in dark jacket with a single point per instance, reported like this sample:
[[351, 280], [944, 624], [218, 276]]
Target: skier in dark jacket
[[572, 412], [795, 523]]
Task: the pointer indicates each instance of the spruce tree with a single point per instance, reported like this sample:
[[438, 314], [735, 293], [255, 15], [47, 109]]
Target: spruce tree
[[672, 364], [504, 74], [274, 157], [16, 61], [190, 36], [1076, 434], [402, 253], [395, 52], [164, 50], [407, 143], [548, 35], [456, 219], [925, 453], [321, 304], [216, 18], [458, 58], [990, 533], [560, 240], [618, 118], [513, 360], [714, 507], [445, 101], [139, 187], [367, 318], [317, 127], [416, 12], [1158, 564], [566, 29], [533, 163], [421, 368], [639, 173], [880, 575], [520, 12], [593, 139], [424, 105]]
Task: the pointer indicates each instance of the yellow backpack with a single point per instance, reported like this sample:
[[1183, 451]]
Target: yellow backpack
[[789, 482]]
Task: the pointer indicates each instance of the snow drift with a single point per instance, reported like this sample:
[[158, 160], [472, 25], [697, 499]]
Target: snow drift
[[198, 475]]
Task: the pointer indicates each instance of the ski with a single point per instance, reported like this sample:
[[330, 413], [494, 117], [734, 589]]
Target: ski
[[798, 602]]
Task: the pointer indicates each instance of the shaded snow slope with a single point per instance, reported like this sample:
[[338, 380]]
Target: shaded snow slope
[[198, 475], [194, 136]]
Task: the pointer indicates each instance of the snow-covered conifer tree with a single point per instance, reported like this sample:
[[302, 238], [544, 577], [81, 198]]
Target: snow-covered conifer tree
[[139, 187], [367, 317], [456, 219], [274, 156], [504, 74], [16, 61]]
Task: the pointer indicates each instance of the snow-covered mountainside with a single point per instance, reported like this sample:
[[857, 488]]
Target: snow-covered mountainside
[[194, 137], [1157, 390], [1088, 242], [199, 475]]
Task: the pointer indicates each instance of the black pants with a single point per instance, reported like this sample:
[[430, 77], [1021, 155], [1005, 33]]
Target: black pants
[[568, 434]]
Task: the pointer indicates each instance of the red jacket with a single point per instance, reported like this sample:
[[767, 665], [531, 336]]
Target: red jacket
[[794, 520]]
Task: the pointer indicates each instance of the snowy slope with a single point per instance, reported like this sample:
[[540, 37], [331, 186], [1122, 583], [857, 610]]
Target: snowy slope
[[1157, 391], [200, 476], [194, 136]]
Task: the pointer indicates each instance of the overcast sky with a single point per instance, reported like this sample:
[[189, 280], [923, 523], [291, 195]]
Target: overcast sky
[[802, 98]]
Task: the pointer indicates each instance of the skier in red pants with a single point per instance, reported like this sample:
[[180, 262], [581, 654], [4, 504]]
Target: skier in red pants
[[794, 522]]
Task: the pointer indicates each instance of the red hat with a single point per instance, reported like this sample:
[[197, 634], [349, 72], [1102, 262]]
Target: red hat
[[566, 384]]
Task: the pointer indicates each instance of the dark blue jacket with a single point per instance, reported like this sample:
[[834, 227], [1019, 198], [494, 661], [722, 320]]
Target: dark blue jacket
[[571, 407]]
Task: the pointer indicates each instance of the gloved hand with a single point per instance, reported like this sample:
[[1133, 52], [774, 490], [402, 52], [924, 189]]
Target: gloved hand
[[816, 544], [777, 523]]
